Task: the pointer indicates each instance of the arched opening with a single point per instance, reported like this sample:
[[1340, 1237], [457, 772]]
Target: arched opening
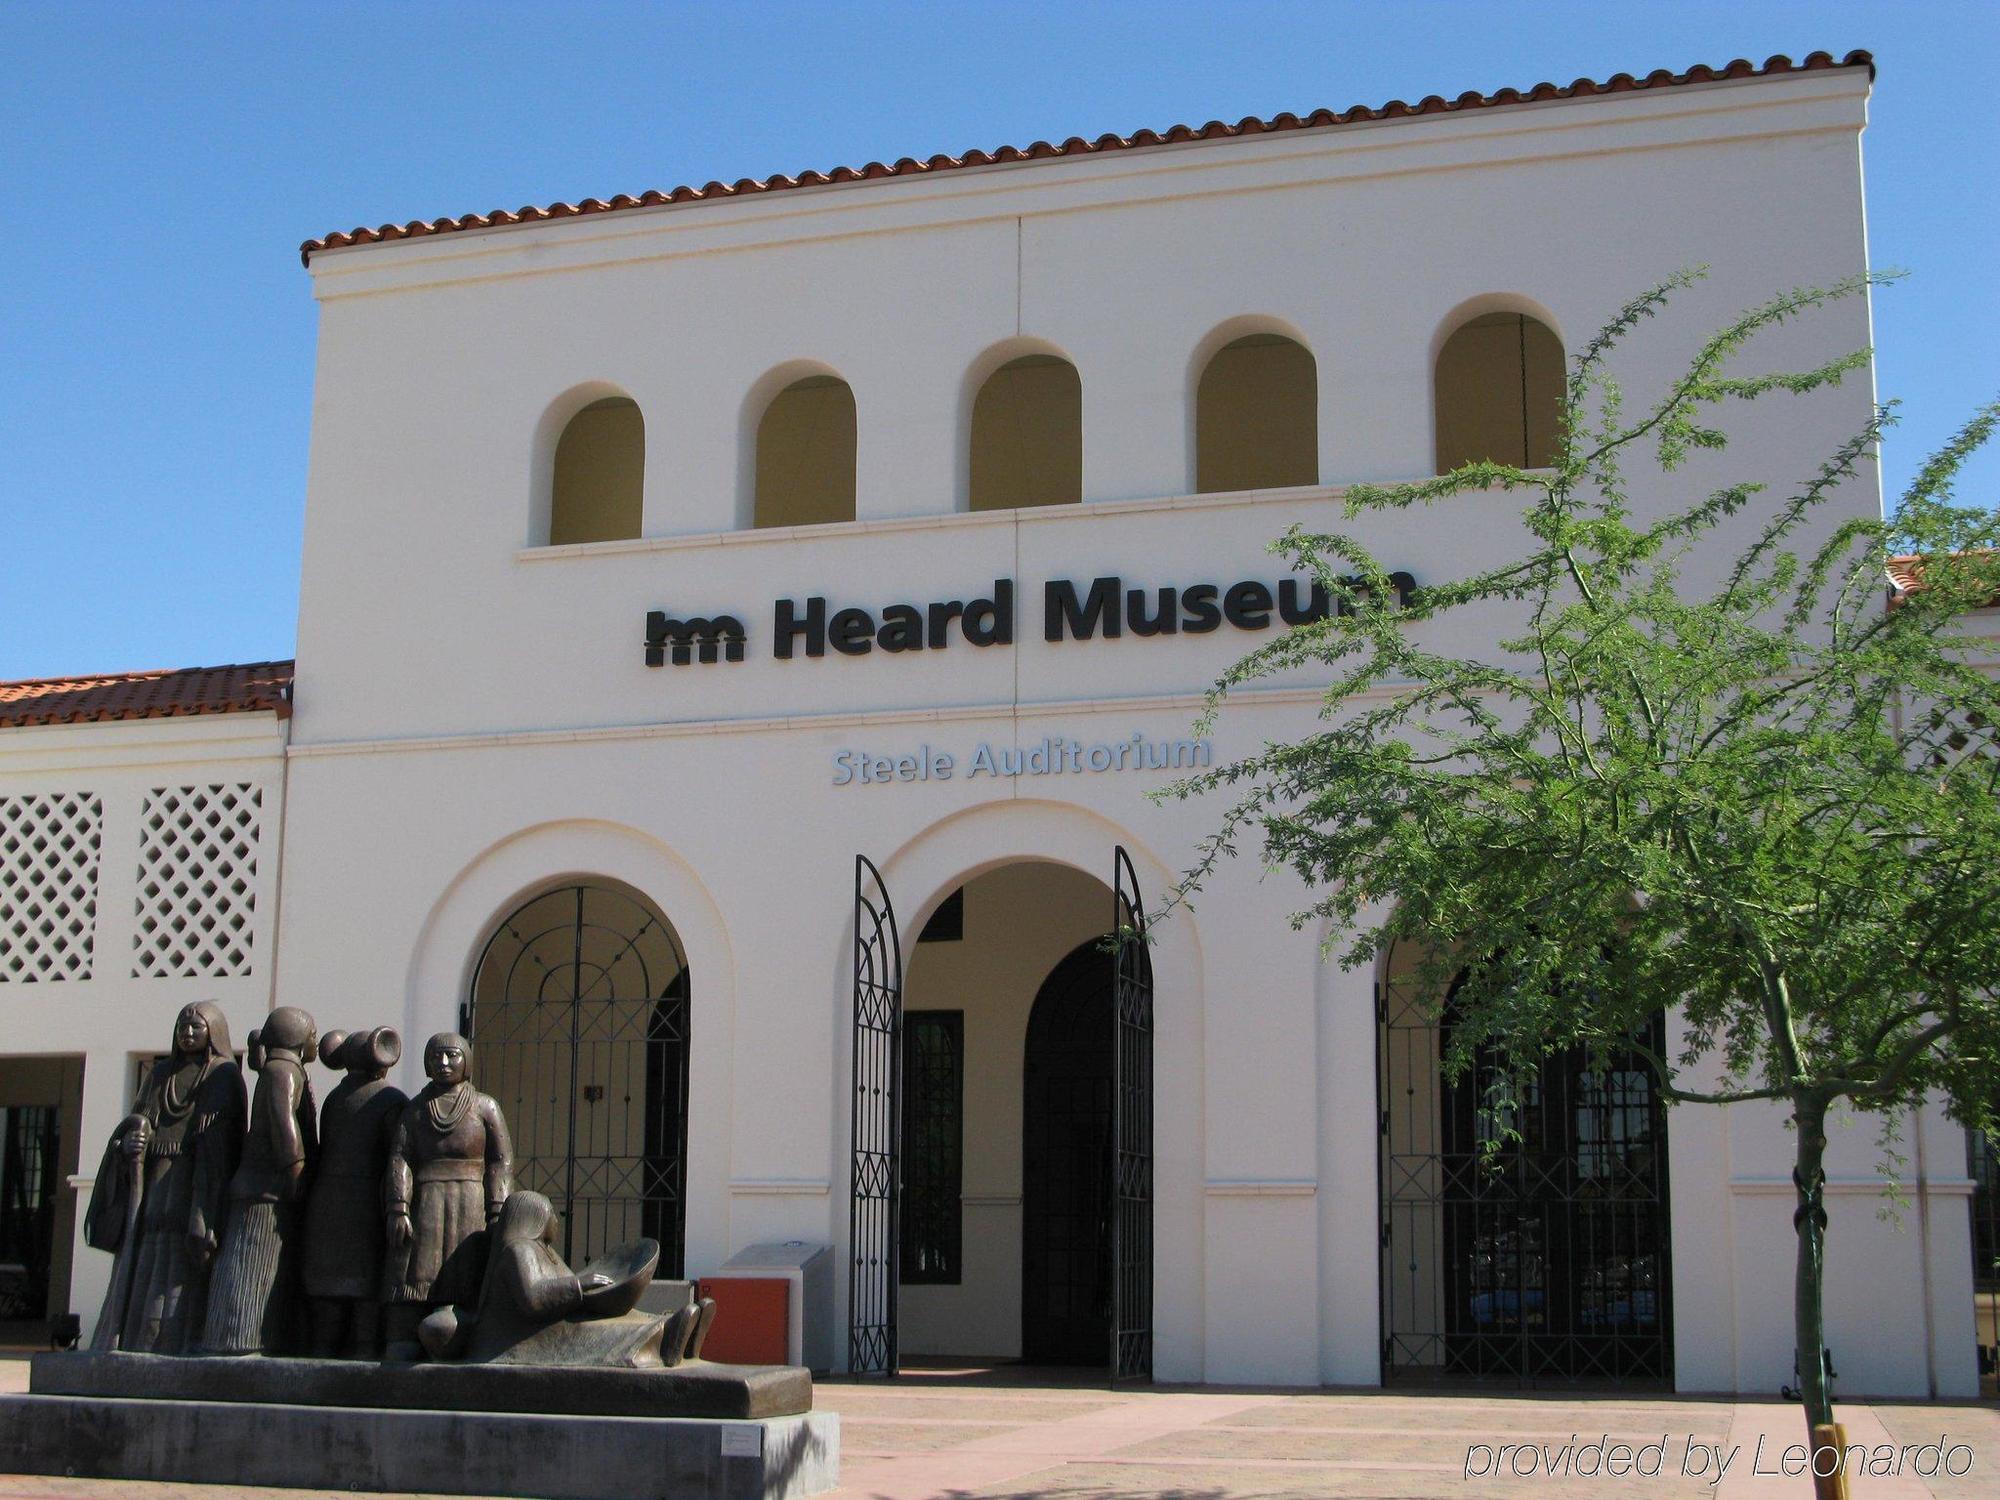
[[1498, 390], [1027, 436], [600, 464], [1257, 416], [805, 455], [1010, 1008], [1542, 1258], [578, 1018]]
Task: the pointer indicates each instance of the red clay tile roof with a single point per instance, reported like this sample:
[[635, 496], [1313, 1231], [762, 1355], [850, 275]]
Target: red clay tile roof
[[1906, 577], [1618, 83], [263, 686]]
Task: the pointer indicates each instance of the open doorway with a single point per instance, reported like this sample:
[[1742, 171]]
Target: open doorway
[[1007, 1121], [1066, 1145], [40, 1112]]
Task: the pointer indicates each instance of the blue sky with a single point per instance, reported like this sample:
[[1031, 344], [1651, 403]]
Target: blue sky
[[162, 162]]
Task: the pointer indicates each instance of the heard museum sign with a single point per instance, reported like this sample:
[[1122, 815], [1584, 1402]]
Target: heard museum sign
[[1104, 608]]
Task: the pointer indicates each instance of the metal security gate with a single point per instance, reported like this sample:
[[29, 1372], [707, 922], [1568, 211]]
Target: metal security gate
[[875, 1192], [1544, 1261], [578, 1017], [1132, 1130]]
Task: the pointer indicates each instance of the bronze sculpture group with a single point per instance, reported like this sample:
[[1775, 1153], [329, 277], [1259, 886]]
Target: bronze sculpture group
[[379, 1227]]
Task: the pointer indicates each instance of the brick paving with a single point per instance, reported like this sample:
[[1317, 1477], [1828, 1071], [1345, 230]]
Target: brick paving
[[960, 1434], [939, 1434]]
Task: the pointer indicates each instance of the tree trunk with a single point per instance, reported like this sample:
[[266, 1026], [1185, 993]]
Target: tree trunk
[[1809, 1295]]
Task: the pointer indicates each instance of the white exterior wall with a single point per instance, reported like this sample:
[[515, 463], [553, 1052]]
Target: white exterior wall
[[474, 722], [114, 1017], [1898, 1269]]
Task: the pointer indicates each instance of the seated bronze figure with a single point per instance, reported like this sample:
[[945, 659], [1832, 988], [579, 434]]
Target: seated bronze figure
[[533, 1310]]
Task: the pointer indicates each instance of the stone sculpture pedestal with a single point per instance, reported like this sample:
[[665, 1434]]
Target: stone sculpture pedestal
[[699, 1430]]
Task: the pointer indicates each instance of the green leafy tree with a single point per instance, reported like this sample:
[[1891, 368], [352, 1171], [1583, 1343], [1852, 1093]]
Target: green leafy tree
[[1769, 803]]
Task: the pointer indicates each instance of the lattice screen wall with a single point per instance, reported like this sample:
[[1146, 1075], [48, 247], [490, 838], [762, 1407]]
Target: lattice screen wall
[[198, 881], [49, 847]]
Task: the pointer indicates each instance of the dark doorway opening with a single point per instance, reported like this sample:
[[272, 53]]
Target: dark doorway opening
[[41, 1106], [30, 1152], [1066, 1178]]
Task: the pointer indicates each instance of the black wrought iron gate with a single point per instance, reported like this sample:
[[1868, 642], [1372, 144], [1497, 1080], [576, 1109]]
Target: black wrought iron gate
[[1544, 1259], [874, 1212], [875, 1193], [1131, 1130], [578, 1017]]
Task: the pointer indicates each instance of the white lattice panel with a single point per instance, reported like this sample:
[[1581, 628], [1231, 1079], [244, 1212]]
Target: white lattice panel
[[198, 881], [48, 885]]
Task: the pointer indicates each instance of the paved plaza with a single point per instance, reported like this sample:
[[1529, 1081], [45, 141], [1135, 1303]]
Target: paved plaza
[[953, 1433]]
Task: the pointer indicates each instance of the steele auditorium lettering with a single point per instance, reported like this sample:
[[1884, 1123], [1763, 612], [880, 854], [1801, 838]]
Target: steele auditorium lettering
[[1104, 608]]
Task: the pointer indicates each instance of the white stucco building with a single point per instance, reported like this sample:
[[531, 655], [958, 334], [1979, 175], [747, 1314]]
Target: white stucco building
[[494, 799]]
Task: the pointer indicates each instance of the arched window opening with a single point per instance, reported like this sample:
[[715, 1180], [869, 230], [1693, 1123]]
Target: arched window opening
[[599, 472], [1257, 416], [1027, 436], [578, 1019], [805, 454], [1499, 391]]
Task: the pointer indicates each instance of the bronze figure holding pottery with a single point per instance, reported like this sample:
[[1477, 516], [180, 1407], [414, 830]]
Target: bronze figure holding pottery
[[345, 1235]]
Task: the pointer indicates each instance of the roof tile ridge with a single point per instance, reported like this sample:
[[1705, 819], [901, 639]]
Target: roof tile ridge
[[144, 674], [1618, 83]]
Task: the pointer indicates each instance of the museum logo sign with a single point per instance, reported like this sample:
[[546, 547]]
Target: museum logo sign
[[1103, 609]]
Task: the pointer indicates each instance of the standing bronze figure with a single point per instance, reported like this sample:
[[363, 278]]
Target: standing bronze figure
[[344, 1225], [451, 1166], [157, 1203], [253, 1300]]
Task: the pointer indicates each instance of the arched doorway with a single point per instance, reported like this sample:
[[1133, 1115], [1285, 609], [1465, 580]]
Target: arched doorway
[[578, 1017], [1023, 1112], [1066, 1201], [1544, 1258]]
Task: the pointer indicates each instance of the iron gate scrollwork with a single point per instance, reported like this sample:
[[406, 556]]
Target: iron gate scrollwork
[[578, 1017], [875, 1198], [1132, 1130], [1543, 1258]]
